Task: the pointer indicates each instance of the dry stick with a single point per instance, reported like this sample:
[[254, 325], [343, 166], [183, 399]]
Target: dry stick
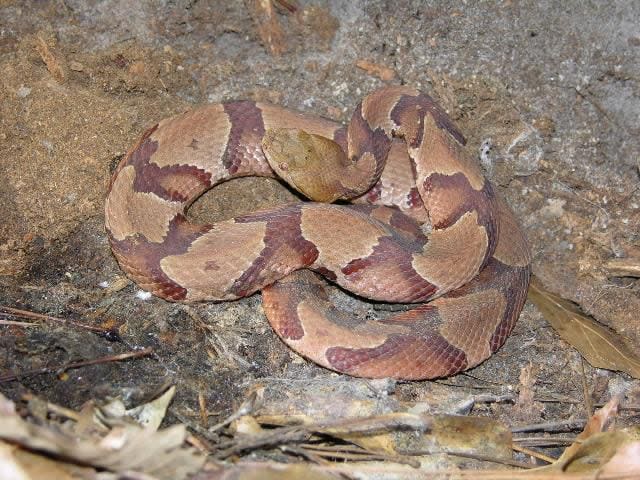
[[111, 358], [558, 426], [487, 383], [16, 312], [280, 436], [533, 453], [577, 402], [209, 433], [50, 60], [484, 398], [202, 404], [301, 452], [196, 427], [299, 433], [335, 448], [544, 441], [623, 267], [201, 444], [191, 414], [359, 454]]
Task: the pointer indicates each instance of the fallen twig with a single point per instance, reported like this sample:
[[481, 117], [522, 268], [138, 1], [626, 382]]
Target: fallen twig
[[109, 334], [300, 433], [623, 267], [111, 358], [544, 441], [557, 426], [533, 453], [356, 453]]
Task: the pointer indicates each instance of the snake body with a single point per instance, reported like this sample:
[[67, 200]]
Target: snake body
[[425, 226]]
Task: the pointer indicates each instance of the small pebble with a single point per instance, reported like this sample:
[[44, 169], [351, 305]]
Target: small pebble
[[23, 91], [142, 295]]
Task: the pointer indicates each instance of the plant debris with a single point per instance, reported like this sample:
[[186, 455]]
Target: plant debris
[[600, 346], [104, 437]]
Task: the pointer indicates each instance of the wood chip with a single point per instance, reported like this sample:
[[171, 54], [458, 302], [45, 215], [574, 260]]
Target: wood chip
[[376, 70], [116, 285], [269, 29], [623, 267], [50, 60], [76, 66]]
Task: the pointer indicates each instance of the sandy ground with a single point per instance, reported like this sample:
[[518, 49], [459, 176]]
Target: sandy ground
[[552, 87]]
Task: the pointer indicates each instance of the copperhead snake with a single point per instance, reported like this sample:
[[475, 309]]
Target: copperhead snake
[[425, 227]]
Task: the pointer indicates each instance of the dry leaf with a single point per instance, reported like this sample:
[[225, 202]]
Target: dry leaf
[[126, 447], [602, 419], [151, 414], [270, 471], [625, 462], [357, 417], [600, 346], [595, 451], [40, 467], [596, 424], [9, 465]]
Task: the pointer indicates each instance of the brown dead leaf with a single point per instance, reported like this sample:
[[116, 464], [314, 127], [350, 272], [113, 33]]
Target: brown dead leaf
[[625, 462], [151, 414], [269, 471], [9, 466], [126, 447], [598, 422], [596, 451], [40, 467], [602, 419], [600, 346]]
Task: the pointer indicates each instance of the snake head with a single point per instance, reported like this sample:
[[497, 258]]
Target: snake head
[[309, 163]]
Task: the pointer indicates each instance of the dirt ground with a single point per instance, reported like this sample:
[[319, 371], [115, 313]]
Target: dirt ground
[[552, 87]]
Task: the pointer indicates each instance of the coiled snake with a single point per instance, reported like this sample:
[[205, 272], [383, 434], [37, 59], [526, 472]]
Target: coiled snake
[[425, 225]]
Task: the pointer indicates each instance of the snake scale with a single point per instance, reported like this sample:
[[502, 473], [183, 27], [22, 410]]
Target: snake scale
[[424, 226]]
